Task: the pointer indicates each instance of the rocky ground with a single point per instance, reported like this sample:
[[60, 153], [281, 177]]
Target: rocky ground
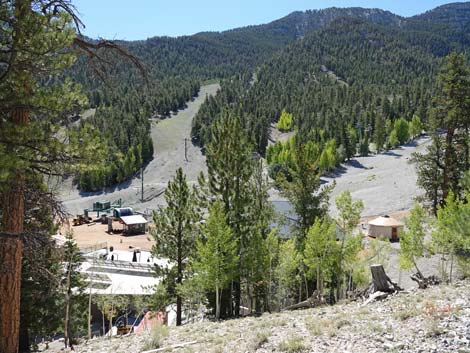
[[435, 320]]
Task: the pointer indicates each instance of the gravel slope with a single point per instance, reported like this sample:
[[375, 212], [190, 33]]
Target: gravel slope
[[386, 182], [168, 136]]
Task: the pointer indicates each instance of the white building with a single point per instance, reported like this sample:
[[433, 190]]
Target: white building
[[121, 272]]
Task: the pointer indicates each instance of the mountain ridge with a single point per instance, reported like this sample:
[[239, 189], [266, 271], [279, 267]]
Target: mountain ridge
[[380, 15], [177, 66]]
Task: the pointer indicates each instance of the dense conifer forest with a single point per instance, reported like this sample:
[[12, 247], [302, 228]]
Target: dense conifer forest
[[350, 78], [336, 70]]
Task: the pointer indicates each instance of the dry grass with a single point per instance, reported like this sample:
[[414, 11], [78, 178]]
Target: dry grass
[[292, 345]]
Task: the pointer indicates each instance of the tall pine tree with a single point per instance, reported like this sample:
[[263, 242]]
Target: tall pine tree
[[176, 231]]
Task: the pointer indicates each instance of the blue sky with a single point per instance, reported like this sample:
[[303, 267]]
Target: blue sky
[[140, 19]]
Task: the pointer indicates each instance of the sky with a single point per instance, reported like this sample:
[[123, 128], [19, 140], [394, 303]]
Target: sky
[[141, 19]]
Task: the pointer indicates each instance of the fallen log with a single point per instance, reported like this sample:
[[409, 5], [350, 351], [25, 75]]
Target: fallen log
[[376, 296], [314, 300], [174, 346]]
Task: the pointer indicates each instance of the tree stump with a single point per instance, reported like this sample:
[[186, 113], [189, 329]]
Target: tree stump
[[380, 287], [381, 282]]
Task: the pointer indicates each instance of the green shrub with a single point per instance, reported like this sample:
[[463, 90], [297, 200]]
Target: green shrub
[[285, 121], [292, 345], [157, 334]]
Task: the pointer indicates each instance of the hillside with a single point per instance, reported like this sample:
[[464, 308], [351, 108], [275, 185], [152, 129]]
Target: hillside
[[346, 41], [168, 155], [454, 14], [433, 320], [344, 74], [346, 84]]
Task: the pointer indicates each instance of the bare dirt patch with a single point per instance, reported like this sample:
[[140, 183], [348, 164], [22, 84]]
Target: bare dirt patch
[[93, 234]]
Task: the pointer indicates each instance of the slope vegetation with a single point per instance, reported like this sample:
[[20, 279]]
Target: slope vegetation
[[433, 320]]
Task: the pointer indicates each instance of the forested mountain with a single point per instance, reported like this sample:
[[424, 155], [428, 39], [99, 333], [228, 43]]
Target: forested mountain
[[350, 80], [330, 68], [456, 15]]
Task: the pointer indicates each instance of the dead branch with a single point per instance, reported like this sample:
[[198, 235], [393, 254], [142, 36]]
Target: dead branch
[[92, 51], [425, 282], [315, 300], [179, 345]]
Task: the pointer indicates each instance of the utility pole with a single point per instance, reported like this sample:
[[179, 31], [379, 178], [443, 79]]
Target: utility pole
[[186, 149], [142, 180]]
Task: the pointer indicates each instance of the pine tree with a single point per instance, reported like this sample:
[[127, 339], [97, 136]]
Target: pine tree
[[261, 213], [230, 169], [73, 286], [31, 115], [364, 147], [430, 172], [452, 113], [39, 43], [448, 158], [379, 133], [41, 311], [175, 231], [304, 192], [351, 148]]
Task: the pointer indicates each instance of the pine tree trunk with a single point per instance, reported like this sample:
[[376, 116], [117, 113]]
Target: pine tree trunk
[[10, 282], [89, 314], [237, 295], [67, 321], [11, 252], [448, 160]]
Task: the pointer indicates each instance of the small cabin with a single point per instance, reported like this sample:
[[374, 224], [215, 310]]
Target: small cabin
[[387, 227], [135, 224]]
